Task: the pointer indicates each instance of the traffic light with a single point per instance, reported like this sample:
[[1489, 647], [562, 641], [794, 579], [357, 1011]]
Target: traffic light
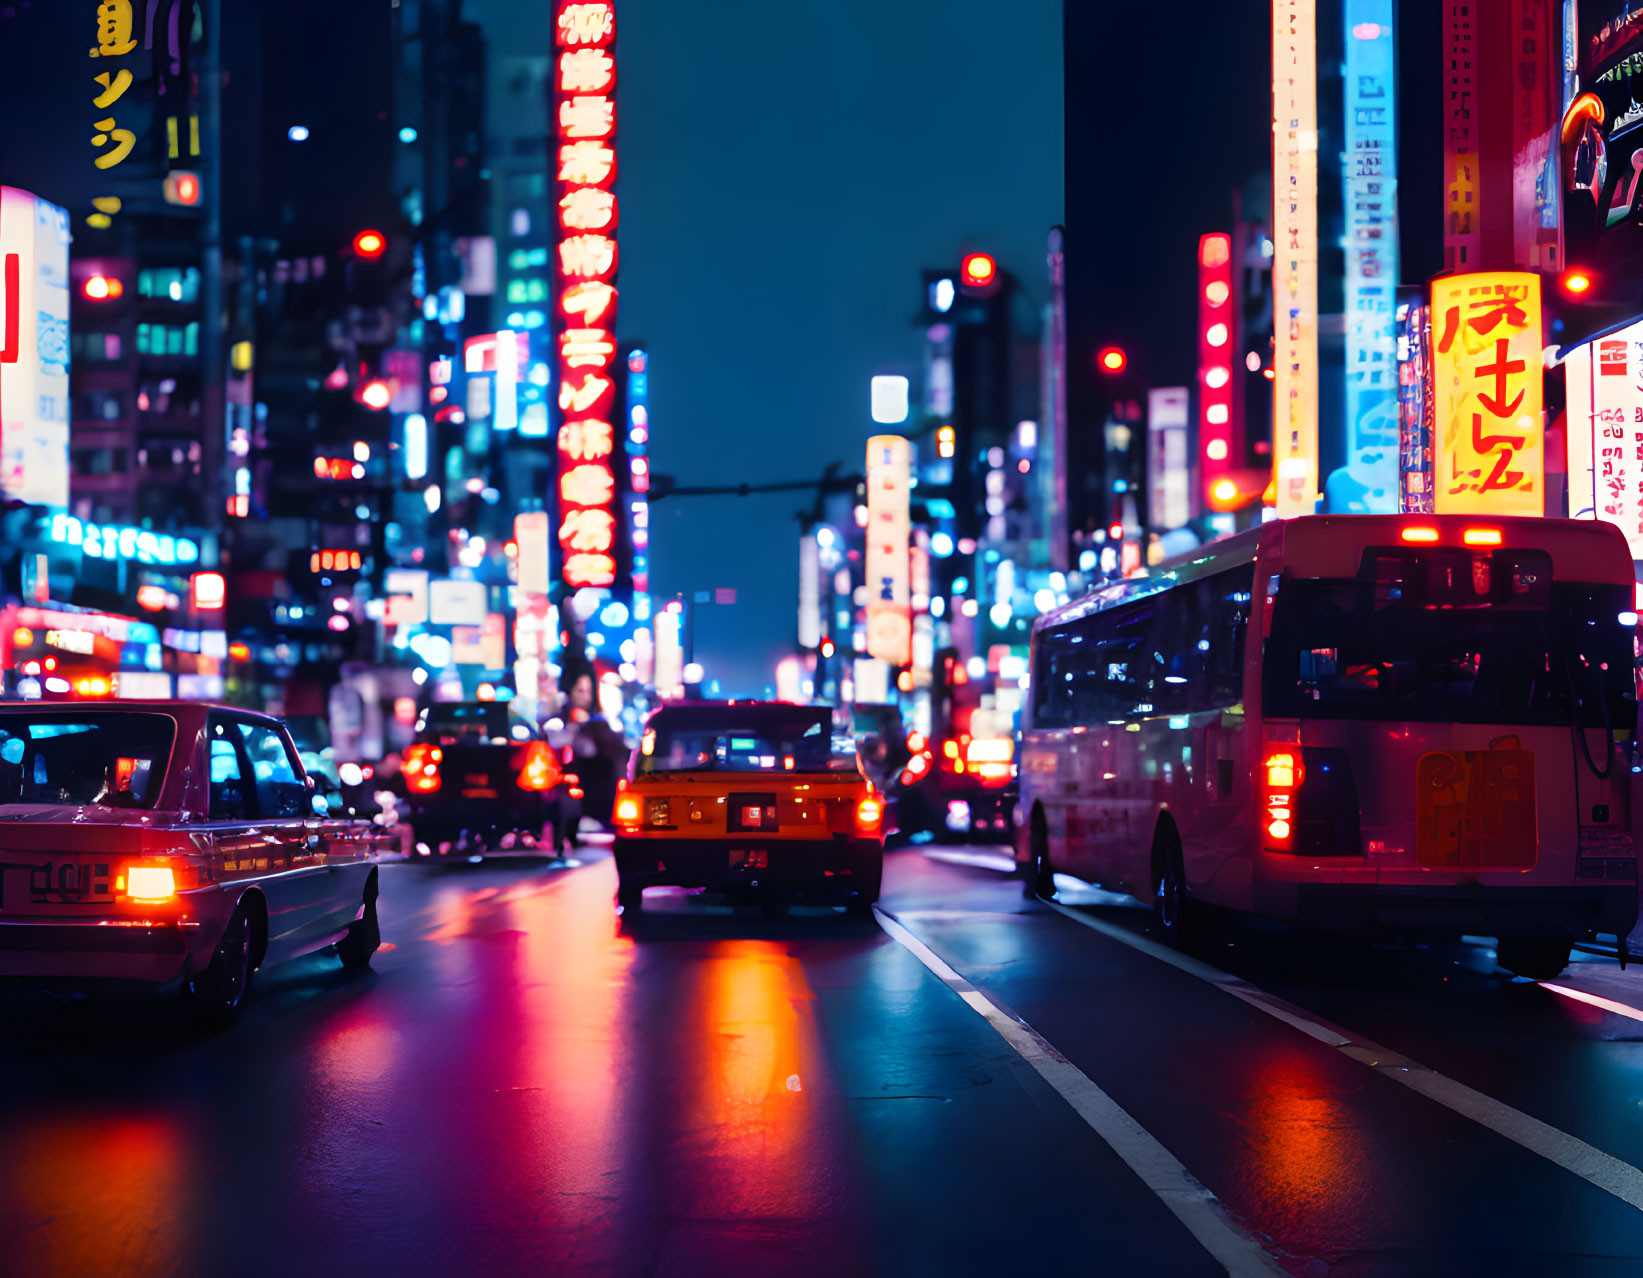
[[376, 394], [978, 270], [1112, 360], [370, 244], [103, 288], [182, 187]]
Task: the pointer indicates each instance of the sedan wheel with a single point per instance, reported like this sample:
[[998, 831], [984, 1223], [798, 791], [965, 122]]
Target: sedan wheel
[[220, 990], [364, 936]]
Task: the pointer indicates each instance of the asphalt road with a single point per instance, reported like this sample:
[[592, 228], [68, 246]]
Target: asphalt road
[[970, 1084]]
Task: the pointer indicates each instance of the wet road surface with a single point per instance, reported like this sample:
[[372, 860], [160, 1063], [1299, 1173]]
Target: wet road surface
[[525, 1084]]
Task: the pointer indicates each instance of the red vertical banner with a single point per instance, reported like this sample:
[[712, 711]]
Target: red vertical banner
[[585, 262], [1535, 159], [1462, 222], [1217, 349]]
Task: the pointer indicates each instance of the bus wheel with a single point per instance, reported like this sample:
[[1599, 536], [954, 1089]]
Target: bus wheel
[[1170, 904], [1539, 960], [1038, 877]]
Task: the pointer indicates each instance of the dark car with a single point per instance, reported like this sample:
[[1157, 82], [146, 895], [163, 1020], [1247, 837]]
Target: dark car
[[477, 779]]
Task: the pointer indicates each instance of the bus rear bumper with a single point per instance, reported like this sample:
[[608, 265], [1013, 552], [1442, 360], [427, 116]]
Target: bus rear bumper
[[1454, 909]]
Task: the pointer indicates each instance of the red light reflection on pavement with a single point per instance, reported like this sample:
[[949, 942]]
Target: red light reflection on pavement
[[103, 1196]]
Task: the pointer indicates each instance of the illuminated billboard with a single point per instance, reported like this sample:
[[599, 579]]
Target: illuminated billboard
[[1370, 188], [889, 542], [585, 258], [1605, 424], [1488, 446], [1602, 145], [1295, 255], [34, 349]]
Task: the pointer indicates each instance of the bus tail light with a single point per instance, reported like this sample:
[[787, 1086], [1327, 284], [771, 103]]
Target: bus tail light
[[149, 884], [421, 767], [539, 770], [1481, 537], [1420, 533], [1284, 773]]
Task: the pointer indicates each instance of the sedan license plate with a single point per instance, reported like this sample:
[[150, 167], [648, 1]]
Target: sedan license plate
[[749, 859]]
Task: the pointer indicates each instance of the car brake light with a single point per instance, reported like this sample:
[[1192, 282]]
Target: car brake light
[[950, 749], [539, 771], [421, 768], [1284, 774], [1419, 533], [1481, 537], [627, 811], [149, 883], [915, 742], [869, 812]]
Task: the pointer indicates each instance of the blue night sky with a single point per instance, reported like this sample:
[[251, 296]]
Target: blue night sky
[[786, 173]]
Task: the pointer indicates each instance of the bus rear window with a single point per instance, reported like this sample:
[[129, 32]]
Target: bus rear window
[[1423, 644]]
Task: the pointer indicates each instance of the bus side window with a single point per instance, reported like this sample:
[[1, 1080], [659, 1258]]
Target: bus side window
[[1228, 614]]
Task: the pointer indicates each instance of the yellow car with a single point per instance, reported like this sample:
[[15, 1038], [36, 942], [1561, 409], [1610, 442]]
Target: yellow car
[[753, 799]]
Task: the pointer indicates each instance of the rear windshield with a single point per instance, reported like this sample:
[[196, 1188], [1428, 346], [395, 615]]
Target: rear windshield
[[745, 739], [99, 759], [477, 721], [1475, 642]]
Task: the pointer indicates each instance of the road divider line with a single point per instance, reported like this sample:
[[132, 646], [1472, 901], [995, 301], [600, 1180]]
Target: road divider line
[[1204, 1216], [1594, 1000], [1591, 1164]]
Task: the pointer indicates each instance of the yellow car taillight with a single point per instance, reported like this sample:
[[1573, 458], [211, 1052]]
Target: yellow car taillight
[[869, 813], [148, 883]]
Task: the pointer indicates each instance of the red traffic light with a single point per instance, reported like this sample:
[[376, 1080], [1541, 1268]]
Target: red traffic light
[[978, 270], [827, 647], [1115, 532], [1577, 282], [181, 187], [376, 394], [370, 244], [103, 288], [1112, 359]]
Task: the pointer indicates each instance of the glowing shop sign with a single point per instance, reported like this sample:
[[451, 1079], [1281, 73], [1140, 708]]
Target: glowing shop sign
[[1489, 441]]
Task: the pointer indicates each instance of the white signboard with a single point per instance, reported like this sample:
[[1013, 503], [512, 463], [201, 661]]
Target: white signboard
[[34, 349], [1605, 389], [456, 603], [889, 565], [407, 596], [1169, 469]]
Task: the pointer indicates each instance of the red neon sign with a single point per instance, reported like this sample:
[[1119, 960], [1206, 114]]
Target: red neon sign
[[1219, 447], [586, 255]]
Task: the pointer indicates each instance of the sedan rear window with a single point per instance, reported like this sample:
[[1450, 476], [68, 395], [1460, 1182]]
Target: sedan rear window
[[95, 759]]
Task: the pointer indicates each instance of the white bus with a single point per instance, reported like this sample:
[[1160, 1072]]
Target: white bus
[[1371, 724]]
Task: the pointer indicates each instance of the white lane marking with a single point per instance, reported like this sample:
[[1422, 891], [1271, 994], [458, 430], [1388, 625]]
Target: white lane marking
[[1185, 1196], [986, 860], [1596, 1000], [1591, 1164]]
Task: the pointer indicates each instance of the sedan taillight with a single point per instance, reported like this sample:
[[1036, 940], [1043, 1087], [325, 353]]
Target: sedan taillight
[[149, 884], [421, 767], [538, 768]]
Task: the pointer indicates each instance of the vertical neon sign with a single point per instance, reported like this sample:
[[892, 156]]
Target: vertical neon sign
[[1370, 182], [1295, 254], [585, 258]]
